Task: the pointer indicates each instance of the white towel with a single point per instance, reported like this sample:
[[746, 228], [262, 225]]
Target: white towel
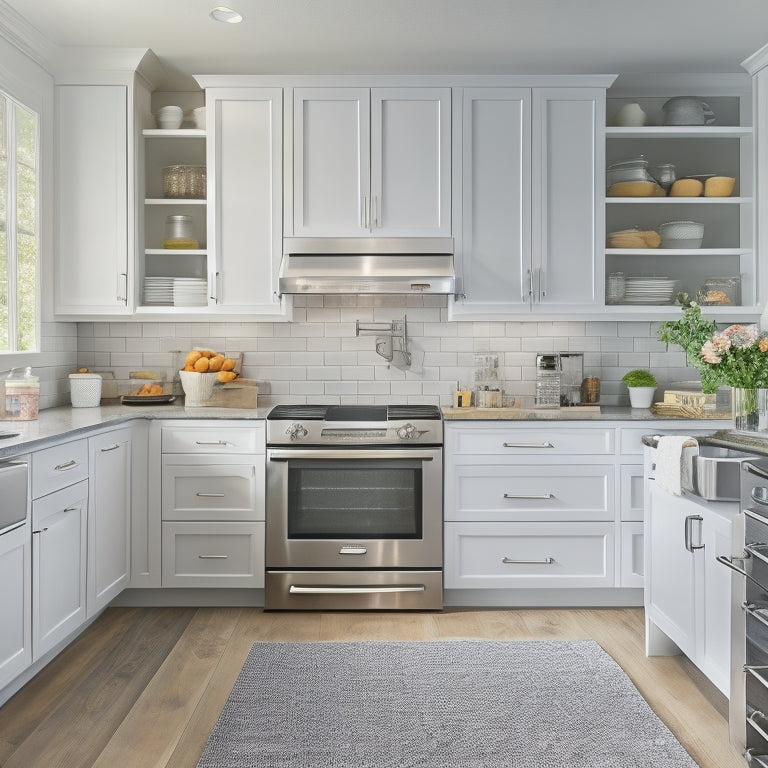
[[673, 462]]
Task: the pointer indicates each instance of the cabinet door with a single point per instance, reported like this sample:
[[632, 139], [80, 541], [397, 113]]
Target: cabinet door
[[568, 155], [411, 162], [109, 517], [245, 160], [91, 258], [670, 569], [331, 162], [59, 545], [714, 652], [494, 246], [15, 603]]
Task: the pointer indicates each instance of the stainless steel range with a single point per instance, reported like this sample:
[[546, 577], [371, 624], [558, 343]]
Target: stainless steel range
[[354, 508]]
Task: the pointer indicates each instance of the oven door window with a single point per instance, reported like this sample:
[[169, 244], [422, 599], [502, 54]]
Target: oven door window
[[355, 499]]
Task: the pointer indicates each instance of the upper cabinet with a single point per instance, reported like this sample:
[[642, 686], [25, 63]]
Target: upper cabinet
[[92, 247], [527, 181], [371, 162], [708, 135]]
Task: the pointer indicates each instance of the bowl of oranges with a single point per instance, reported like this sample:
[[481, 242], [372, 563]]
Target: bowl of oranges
[[203, 370]]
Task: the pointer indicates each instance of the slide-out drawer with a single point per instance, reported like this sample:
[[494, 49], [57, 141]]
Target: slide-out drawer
[[212, 488], [533, 492], [213, 554], [58, 467], [219, 437], [505, 440], [527, 555]]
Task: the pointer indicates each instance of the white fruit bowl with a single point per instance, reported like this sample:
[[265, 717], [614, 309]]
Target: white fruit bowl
[[681, 234]]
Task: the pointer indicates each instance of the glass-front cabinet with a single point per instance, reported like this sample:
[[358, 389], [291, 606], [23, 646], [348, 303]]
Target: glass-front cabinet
[[679, 205]]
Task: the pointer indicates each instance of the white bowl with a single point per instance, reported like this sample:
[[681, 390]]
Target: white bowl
[[198, 117], [198, 387], [169, 117], [681, 234]]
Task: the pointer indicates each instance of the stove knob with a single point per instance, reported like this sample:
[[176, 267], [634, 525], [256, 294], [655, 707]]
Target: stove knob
[[407, 432], [296, 431]]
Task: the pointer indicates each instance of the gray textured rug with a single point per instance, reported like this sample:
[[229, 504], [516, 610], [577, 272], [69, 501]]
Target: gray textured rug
[[446, 704]]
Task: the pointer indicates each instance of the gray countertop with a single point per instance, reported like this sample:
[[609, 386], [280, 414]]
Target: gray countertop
[[589, 413]]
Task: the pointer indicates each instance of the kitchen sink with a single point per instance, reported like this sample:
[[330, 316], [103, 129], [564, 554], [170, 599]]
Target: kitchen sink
[[716, 473]]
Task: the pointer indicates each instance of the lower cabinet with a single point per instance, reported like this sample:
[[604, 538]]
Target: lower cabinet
[[109, 517], [688, 593], [228, 554], [15, 603], [59, 557]]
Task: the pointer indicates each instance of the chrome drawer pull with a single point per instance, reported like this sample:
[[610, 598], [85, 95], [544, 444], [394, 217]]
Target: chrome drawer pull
[[213, 557], [67, 465], [545, 561], [295, 589], [529, 495], [347, 550], [754, 670], [728, 563], [755, 759], [71, 509], [759, 729], [755, 613], [212, 442], [204, 495], [528, 445], [111, 448]]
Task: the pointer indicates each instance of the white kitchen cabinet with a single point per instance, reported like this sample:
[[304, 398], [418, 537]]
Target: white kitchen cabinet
[[245, 142], [530, 204], [725, 147], [371, 162], [59, 557], [92, 204], [15, 603], [109, 517], [687, 599]]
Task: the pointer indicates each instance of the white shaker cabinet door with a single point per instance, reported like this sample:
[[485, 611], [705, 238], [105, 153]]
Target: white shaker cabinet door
[[109, 517], [245, 161], [331, 162], [410, 162], [91, 249], [495, 199], [15, 603], [568, 158]]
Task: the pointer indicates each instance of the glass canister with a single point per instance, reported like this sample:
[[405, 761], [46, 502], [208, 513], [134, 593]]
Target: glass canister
[[22, 395], [571, 375], [179, 233]]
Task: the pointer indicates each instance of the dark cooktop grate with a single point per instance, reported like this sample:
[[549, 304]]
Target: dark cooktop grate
[[351, 413]]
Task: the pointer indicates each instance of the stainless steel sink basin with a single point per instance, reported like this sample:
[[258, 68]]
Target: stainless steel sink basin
[[716, 473]]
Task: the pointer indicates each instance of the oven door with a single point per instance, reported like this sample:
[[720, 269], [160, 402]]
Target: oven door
[[354, 508]]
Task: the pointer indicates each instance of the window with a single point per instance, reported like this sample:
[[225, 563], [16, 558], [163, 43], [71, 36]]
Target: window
[[19, 191]]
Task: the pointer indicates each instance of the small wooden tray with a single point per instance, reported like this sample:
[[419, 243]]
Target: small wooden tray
[[688, 411]]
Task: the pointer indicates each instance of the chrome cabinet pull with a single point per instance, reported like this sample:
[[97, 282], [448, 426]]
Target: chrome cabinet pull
[[110, 448], [213, 557], [71, 509], [71, 464], [212, 442], [529, 495], [753, 469], [728, 563], [544, 561], [350, 550], [754, 759], [759, 729], [755, 613], [122, 287], [296, 589], [528, 445], [42, 530], [689, 545], [375, 213], [205, 495]]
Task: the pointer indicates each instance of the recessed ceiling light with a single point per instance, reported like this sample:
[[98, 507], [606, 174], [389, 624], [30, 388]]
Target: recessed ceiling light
[[227, 15]]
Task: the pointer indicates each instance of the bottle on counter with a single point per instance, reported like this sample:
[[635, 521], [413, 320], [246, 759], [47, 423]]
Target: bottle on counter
[[21, 397]]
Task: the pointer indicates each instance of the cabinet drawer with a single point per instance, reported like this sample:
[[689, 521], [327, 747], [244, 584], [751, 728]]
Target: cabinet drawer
[[508, 493], [213, 554], [58, 467], [214, 438], [631, 438], [525, 555], [212, 488], [524, 441]]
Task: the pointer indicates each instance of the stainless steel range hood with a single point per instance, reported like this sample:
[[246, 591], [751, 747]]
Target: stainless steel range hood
[[367, 265]]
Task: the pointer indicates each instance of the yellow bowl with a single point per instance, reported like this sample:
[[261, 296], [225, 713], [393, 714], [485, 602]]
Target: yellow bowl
[[719, 186]]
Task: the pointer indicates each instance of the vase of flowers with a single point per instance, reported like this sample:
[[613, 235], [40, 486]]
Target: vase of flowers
[[736, 356]]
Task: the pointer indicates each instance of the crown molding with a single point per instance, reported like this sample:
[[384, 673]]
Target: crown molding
[[757, 61], [28, 39]]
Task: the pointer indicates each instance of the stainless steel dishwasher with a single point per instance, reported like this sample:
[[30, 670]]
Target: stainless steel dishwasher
[[13, 492]]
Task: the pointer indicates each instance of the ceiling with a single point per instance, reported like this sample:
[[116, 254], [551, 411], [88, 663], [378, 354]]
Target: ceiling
[[413, 36]]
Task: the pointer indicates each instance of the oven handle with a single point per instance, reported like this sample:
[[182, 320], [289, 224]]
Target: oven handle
[[311, 453], [306, 590], [753, 469]]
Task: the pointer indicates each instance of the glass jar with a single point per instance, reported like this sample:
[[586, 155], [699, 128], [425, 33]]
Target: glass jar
[[666, 175], [22, 395], [178, 233], [719, 291], [615, 287]]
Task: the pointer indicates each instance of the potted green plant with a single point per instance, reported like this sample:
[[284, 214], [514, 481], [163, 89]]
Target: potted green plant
[[641, 385]]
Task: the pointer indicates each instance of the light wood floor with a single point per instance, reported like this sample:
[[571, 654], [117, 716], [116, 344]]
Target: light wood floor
[[143, 687]]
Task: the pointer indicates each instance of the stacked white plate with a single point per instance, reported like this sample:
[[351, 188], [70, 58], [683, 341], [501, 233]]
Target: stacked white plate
[[649, 290], [158, 291], [190, 292]]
